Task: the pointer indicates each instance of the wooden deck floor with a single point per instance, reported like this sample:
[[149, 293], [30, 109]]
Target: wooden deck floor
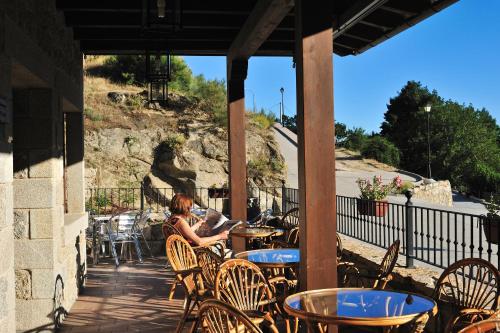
[[132, 298]]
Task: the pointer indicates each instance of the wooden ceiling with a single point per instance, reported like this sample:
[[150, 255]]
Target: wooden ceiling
[[208, 27]]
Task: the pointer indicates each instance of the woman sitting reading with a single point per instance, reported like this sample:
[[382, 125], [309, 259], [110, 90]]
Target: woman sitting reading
[[180, 207]]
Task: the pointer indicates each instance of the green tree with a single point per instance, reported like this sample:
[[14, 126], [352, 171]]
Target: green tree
[[355, 138], [380, 149], [464, 140], [290, 122], [340, 134]]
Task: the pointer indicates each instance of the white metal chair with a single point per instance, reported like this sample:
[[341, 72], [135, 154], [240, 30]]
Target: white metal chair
[[120, 230]]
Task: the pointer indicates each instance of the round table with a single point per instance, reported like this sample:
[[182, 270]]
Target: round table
[[272, 258], [256, 233], [361, 307], [259, 232]]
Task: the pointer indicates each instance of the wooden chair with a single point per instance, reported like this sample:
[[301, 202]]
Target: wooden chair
[[382, 275], [291, 242], [241, 284], [469, 291], [291, 219], [216, 317], [485, 326], [183, 261], [209, 263], [169, 230], [345, 269]]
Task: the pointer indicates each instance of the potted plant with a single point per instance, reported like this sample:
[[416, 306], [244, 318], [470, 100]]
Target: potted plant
[[215, 192], [492, 219], [372, 200]]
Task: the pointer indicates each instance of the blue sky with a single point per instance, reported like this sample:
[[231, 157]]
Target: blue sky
[[456, 52]]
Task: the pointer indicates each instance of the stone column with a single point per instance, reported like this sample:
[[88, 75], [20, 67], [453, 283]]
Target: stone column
[[38, 204], [7, 284]]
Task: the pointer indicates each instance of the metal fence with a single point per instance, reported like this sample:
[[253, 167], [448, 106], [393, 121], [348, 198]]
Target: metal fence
[[434, 236], [105, 200]]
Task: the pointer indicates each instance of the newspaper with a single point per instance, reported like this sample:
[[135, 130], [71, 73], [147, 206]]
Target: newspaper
[[215, 223]]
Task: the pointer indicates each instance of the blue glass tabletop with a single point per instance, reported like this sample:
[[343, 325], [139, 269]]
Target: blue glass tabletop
[[271, 256], [359, 303]]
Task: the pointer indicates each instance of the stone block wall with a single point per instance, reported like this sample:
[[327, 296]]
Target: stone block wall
[[437, 193], [7, 284], [41, 236], [38, 203]]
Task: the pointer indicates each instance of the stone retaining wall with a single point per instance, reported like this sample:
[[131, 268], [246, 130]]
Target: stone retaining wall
[[437, 193]]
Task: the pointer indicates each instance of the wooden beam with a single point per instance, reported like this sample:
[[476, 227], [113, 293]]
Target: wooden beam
[[316, 153], [354, 14], [263, 20], [237, 73]]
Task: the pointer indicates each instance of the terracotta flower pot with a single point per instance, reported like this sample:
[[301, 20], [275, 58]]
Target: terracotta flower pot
[[490, 228], [373, 208]]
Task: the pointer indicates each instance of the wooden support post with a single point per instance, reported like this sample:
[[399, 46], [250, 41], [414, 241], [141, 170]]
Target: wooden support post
[[316, 153], [236, 75]]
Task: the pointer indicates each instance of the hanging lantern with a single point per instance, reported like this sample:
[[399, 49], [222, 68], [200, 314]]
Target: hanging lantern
[[158, 70]]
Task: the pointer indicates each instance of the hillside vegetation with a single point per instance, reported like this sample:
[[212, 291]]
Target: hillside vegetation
[[183, 144]]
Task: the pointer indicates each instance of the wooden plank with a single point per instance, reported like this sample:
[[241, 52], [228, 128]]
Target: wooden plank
[[316, 153], [263, 20], [237, 73]]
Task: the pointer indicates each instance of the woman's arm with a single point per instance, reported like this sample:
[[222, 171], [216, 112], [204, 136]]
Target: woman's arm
[[189, 234]]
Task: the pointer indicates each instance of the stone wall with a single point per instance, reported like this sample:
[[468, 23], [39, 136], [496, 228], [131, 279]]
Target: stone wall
[[44, 25], [7, 286], [437, 193], [41, 233]]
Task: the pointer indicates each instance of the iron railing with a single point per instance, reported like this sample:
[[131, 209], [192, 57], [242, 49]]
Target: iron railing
[[104, 200], [437, 237]]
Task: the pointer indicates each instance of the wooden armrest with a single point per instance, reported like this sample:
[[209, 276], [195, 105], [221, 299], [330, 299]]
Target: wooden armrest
[[187, 272]]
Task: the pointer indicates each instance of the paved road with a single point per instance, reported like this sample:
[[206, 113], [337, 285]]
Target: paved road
[[442, 234]]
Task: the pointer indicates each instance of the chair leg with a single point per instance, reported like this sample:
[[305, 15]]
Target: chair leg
[[189, 307], [172, 290], [147, 245], [113, 252], [138, 249]]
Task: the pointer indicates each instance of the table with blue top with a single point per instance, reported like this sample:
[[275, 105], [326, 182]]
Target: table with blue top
[[272, 258], [360, 307]]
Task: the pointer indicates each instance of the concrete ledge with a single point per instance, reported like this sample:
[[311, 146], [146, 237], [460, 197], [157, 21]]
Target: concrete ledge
[[73, 225]]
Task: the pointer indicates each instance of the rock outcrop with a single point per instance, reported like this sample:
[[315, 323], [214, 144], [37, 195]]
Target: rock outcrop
[[179, 147]]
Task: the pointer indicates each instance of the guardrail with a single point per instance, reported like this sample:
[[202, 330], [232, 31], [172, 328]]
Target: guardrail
[[438, 237]]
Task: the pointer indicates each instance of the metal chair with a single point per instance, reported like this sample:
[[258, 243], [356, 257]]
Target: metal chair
[[241, 284], [185, 265], [120, 230], [469, 291], [140, 224], [382, 275], [261, 219], [216, 317]]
